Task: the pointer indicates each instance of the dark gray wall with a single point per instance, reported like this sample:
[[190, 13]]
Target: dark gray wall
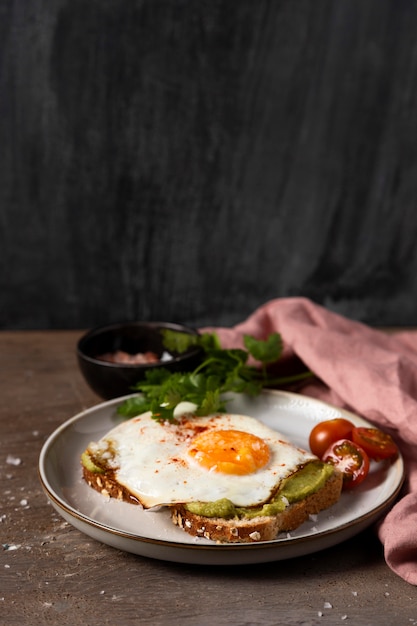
[[188, 160]]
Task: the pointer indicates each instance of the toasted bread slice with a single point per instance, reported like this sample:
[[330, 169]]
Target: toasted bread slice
[[105, 483], [261, 528], [227, 477]]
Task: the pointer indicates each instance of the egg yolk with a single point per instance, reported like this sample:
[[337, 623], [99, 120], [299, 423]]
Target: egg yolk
[[230, 451]]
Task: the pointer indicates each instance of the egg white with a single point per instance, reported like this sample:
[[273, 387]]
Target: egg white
[[151, 460]]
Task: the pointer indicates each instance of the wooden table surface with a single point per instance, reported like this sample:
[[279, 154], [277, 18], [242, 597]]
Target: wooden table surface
[[53, 574]]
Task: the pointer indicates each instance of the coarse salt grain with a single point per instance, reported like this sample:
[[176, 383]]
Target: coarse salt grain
[[13, 460], [9, 547]]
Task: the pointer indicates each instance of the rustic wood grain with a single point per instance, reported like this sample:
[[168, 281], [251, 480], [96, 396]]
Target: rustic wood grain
[[189, 160], [51, 573]]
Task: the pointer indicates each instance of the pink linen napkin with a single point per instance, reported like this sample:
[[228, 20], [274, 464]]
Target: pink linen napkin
[[363, 370]]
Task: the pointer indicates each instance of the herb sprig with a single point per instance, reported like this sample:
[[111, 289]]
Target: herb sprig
[[221, 371]]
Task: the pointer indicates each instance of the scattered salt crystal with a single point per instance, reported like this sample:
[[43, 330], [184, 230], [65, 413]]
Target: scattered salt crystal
[[327, 605], [13, 460], [344, 617], [23, 502], [102, 592], [386, 593], [354, 593]]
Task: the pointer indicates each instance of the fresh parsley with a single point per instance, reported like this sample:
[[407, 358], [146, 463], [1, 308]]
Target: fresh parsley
[[221, 371]]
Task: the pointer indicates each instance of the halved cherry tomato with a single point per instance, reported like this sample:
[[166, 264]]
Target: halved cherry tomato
[[325, 433], [377, 444], [350, 459]]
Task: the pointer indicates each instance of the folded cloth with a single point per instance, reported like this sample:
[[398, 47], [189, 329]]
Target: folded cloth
[[367, 371]]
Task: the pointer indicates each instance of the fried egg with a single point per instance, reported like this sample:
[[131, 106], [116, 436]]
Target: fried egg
[[198, 459]]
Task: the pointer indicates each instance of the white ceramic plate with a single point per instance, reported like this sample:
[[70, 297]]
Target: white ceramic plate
[[152, 534]]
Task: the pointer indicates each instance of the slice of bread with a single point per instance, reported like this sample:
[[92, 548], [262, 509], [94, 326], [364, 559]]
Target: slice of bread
[[154, 463], [106, 483], [261, 528]]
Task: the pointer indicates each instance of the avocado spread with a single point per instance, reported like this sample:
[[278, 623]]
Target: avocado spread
[[88, 463], [306, 481]]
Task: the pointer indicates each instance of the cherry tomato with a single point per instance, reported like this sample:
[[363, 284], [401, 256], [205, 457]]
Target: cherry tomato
[[350, 459], [377, 444], [325, 433]]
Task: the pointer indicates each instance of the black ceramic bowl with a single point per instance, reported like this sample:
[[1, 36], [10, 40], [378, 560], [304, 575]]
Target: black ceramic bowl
[[111, 380]]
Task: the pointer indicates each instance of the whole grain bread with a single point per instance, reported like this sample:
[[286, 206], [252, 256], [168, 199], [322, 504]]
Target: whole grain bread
[[261, 528]]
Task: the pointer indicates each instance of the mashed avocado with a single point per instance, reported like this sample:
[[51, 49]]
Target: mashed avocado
[[87, 461], [303, 483]]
